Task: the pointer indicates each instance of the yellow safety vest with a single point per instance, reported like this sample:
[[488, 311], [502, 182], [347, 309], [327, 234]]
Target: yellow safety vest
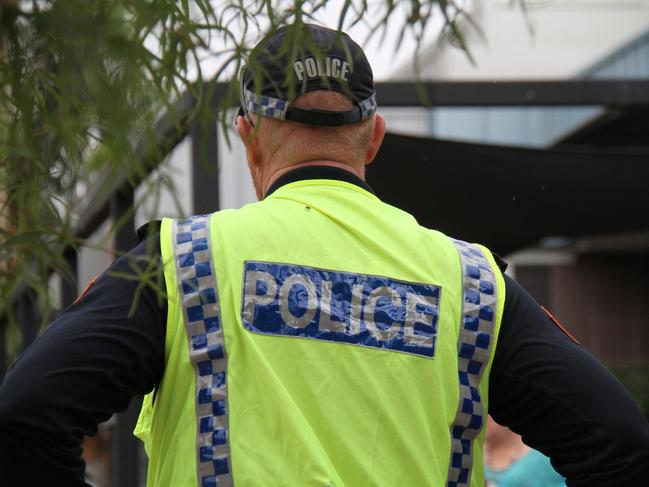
[[320, 338]]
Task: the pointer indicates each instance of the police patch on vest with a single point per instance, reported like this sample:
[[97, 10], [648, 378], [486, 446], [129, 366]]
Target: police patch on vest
[[371, 311]]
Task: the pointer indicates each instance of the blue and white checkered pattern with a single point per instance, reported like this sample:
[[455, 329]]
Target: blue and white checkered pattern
[[199, 299], [276, 108], [474, 349], [368, 107], [265, 105]]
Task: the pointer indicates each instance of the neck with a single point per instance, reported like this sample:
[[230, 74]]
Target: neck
[[274, 175]]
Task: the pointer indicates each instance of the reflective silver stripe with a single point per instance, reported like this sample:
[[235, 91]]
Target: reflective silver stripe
[[368, 107], [265, 105], [276, 108], [474, 348], [201, 314]]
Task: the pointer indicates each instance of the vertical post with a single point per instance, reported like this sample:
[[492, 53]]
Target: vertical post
[[205, 165], [27, 317], [3, 347], [125, 462], [70, 284]]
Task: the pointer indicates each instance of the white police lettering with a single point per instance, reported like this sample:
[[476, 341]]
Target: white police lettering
[[370, 308], [372, 311], [298, 66], [253, 298], [328, 66], [326, 322], [344, 71], [311, 301], [333, 68], [311, 69], [413, 315], [355, 309]]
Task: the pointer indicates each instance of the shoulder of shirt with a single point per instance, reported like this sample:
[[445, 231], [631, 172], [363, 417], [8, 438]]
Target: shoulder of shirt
[[500, 262], [149, 229]]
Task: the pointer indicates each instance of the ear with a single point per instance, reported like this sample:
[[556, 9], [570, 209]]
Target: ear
[[250, 140], [377, 138]]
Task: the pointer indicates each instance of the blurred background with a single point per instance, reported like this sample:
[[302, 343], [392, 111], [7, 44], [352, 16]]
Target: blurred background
[[520, 125]]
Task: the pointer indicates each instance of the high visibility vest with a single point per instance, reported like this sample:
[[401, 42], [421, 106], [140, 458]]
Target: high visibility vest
[[321, 337]]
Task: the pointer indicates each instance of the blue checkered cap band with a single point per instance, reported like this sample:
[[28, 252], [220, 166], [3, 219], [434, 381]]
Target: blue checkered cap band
[[269, 106], [368, 107], [265, 105]]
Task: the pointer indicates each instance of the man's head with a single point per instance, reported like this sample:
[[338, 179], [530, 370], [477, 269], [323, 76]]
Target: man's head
[[307, 96]]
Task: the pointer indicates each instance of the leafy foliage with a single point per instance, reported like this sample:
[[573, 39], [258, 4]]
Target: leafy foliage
[[83, 81]]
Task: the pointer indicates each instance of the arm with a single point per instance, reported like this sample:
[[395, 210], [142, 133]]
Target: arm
[[563, 401], [88, 364]]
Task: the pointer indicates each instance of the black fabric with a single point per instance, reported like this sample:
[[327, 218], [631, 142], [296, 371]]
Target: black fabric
[[88, 364], [106, 349], [149, 229], [508, 198], [324, 117], [318, 172]]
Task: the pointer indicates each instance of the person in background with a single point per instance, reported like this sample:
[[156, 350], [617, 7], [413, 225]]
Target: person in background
[[511, 463]]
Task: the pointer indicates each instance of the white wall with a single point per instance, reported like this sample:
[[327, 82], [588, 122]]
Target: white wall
[[167, 190], [407, 121], [95, 256], [235, 185], [567, 37]]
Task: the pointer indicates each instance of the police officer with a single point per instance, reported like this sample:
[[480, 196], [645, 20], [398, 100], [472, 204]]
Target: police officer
[[319, 337]]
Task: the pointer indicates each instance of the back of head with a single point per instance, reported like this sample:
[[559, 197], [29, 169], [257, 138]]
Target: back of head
[[293, 142], [301, 58], [309, 93]]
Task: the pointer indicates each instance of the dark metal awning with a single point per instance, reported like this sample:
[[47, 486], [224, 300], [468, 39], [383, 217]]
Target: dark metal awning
[[509, 198]]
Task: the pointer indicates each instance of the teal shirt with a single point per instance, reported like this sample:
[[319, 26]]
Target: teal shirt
[[532, 470]]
